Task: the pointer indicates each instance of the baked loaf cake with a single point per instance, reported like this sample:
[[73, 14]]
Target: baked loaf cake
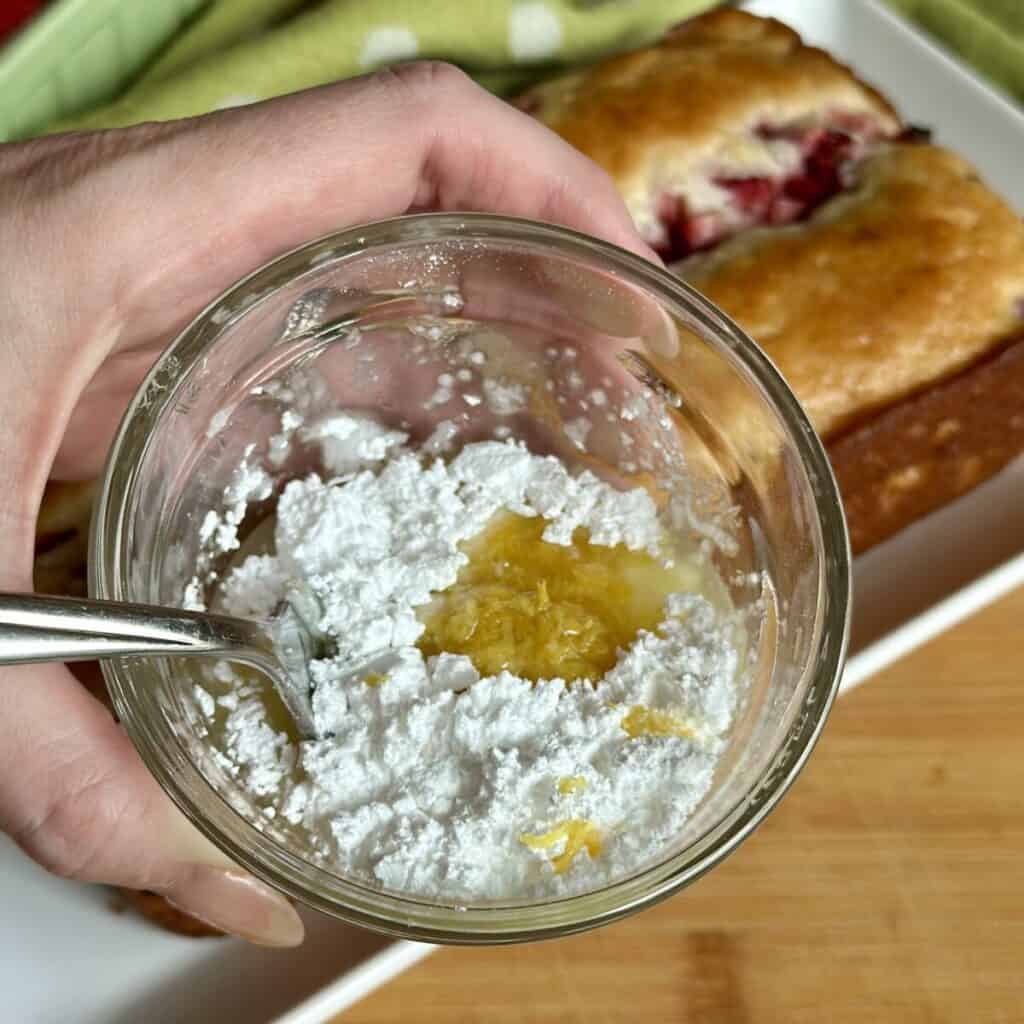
[[728, 123], [895, 314], [891, 297]]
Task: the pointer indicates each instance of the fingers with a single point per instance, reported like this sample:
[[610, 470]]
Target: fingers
[[76, 797], [177, 212], [163, 217]]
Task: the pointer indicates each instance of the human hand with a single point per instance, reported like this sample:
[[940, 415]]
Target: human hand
[[113, 242]]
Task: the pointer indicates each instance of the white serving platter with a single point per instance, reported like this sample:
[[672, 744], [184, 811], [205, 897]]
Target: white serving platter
[[67, 955], [64, 956]]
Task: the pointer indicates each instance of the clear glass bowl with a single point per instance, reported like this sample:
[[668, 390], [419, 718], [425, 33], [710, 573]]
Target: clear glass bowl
[[375, 315]]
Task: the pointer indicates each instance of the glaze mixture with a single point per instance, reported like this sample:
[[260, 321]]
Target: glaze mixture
[[561, 691]]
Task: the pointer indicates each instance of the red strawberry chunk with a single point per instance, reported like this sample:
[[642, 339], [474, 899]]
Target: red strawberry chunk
[[684, 232], [766, 200], [752, 195], [820, 177], [700, 230], [784, 210]]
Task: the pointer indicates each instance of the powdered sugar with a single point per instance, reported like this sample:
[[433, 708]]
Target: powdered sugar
[[428, 780], [504, 397], [349, 443], [577, 430], [249, 484]]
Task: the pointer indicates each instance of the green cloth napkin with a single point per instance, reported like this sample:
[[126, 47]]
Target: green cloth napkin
[[240, 51], [986, 33]]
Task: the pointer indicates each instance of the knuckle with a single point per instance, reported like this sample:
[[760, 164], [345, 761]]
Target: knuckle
[[584, 170], [602, 179], [424, 81]]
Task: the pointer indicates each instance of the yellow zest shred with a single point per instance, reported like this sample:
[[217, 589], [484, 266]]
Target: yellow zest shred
[[571, 784], [577, 833], [644, 721]]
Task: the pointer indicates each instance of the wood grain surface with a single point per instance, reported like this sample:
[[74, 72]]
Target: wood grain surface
[[887, 886]]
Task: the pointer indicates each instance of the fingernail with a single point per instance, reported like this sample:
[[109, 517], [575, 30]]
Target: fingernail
[[235, 902]]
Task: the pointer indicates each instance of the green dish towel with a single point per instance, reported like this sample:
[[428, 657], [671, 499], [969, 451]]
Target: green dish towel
[[240, 51], [986, 33]]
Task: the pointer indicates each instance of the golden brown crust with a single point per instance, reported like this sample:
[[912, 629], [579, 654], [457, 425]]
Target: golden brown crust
[[888, 289], [929, 449], [669, 118]]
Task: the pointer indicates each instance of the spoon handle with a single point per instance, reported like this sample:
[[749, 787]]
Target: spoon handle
[[35, 627]]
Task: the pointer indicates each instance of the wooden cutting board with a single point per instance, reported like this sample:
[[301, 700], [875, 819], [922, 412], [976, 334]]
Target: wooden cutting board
[[888, 886]]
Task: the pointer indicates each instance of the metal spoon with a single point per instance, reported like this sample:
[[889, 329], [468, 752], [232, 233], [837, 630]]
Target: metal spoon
[[37, 628]]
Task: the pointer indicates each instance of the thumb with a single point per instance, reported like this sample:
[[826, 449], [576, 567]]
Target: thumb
[[75, 795]]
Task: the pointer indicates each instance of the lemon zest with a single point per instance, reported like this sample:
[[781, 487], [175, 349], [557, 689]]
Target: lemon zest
[[645, 721], [545, 611], [577, 834]]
